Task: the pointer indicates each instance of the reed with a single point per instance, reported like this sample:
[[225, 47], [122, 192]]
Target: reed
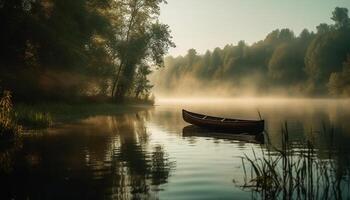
[[8, 126], [296, 173], [32, 119]]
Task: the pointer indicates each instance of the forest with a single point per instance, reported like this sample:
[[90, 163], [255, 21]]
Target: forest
[[311, 64], [64, 50]]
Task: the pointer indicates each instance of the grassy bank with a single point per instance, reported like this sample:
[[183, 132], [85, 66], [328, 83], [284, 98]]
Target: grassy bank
[[45, 114]]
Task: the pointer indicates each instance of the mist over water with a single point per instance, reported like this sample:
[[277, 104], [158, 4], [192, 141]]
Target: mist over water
[[306, 118], [150, 153]]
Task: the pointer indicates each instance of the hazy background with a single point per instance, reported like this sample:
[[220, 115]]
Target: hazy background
[[207, 24], [256, 48]]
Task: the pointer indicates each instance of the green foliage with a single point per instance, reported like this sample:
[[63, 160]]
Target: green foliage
[[297, 65], [341, 18], [286, 64], [339, 82], [66, 50], [11, 119], [54, 48], [142, 84], [323, 28], [277, 60], [142, 39], [325, 55]]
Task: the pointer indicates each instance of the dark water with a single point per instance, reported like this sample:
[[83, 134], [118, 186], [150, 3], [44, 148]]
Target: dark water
[[152, 154]]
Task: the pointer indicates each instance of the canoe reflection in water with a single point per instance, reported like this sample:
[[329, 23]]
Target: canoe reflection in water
[[195, 131]]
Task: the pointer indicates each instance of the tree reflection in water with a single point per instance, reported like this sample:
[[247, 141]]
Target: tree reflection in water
[[100, 157]]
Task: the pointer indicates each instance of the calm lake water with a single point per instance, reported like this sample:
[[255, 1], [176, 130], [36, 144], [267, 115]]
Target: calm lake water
[[153, 154]]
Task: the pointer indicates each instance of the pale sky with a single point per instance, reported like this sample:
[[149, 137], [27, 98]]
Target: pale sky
[[206, 24]]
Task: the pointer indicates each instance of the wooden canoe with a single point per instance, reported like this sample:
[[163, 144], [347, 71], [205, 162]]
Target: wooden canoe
[[227, 125]]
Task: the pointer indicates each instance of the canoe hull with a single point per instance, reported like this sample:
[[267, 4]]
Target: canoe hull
[[227, 125]]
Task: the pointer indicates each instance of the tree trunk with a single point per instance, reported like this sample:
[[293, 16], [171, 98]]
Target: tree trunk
[[122, 60], [117, 79]]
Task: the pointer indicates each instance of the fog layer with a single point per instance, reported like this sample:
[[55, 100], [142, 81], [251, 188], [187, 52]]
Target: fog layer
[[309, 64]]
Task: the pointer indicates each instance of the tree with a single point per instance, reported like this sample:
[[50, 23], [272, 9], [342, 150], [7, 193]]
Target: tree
[[66, 49], [323, 28], [305, 64], [191, 56], [47, 43], [339, 82], [216, 61], [286, 65], [341, 18], [206, 65], [305, 36], [141, 38], [286, 35], [142, 84], [327, 52], [272, 38]]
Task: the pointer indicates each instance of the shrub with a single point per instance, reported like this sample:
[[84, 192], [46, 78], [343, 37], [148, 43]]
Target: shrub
[[8, 127]]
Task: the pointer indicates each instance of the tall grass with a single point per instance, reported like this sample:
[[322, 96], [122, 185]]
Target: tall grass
[[45, 114], [295, 173], [8, 126], [33, 119], [64, 112], [10, 140]]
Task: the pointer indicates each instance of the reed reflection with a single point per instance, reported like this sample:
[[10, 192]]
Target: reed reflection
[[300, 170], [98, 158]]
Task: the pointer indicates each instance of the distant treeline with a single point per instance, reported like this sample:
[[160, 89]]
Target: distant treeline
[[68, 49], [310, 64]]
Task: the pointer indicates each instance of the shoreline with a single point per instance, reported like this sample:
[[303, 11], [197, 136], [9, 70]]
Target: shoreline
[[57, 113]]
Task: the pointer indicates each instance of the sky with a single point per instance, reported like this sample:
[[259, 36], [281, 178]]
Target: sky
[[207, 24]]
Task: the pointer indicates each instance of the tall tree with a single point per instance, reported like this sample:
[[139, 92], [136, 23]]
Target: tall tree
[[141, 38], [327, 51], [340, 17]]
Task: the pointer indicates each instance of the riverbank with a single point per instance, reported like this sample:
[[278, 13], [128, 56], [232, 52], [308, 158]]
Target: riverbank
[[40, 115], [43, 115]]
